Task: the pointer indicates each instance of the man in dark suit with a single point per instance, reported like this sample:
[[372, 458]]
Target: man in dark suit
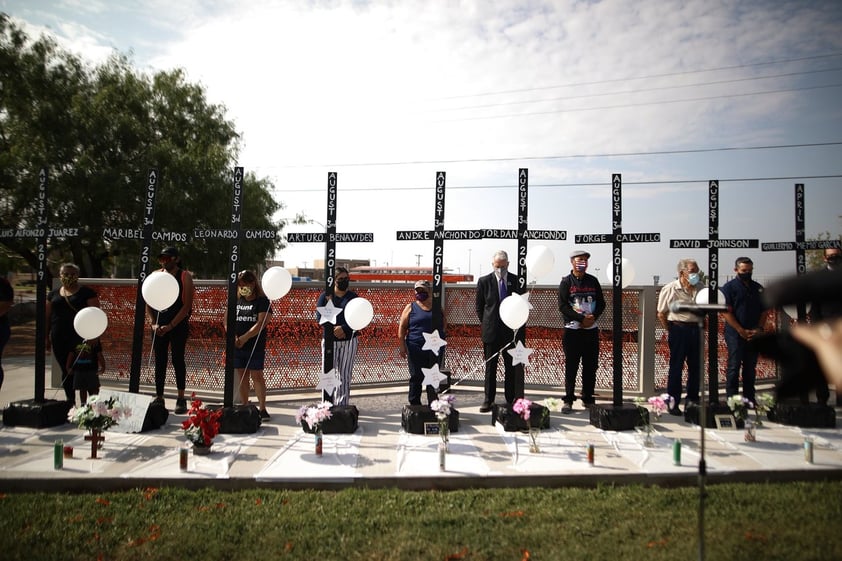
[[497, 337]]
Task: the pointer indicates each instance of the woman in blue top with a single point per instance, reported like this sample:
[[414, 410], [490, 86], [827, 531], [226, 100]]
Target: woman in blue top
[[250, 339], [417, 319]]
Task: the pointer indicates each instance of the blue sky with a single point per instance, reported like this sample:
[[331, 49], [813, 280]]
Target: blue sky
[[388, 93]]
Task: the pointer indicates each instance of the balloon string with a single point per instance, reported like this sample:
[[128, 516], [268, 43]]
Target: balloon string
[[482, 365], [67, 374], [154, 335]]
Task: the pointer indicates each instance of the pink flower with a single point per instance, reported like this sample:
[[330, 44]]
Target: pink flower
[[521, 407]]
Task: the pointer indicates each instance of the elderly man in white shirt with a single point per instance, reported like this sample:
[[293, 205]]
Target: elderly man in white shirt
[[683, 332]]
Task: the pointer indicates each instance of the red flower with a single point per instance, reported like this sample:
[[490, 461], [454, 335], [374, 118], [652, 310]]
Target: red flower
[[202, 424]]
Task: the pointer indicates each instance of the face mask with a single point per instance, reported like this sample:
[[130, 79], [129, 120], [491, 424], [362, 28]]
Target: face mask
[[245, 291], [834, 261], [745, 277], [67, 282], [342, 284], [421, 296], [693, 279], [580, 266], [501, 272]]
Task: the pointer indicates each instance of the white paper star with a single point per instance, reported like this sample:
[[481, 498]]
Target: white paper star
[[329, 381], [432, 377], [432, 342], [328, 313], [520, 354], [525, 296]]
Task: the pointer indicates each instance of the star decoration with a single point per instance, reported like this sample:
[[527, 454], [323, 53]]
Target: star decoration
[[520, 354], [432, 377], [329, 381], [328, 313], [432, 342]]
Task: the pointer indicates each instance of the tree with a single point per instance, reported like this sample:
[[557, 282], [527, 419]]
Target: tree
[[98, 130]]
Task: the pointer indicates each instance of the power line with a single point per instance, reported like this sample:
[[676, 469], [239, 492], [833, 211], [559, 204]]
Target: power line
[[638, 104], [565, 157], [646, 77], [629, 92], [593, 184]]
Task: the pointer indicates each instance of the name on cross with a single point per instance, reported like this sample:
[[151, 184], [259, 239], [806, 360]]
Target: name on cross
[[608, 238], [37, 232], [222, 234], [792, 246], [716, 244], [299, 237], [409, 235], [135, 234]]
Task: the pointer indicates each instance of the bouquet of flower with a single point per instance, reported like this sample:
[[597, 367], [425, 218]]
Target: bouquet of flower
[[521, 407], [442, 407], [98, 413], [739, 405], [314, 415], [552, 403], [202, 424], [658, 405], [765, 403]]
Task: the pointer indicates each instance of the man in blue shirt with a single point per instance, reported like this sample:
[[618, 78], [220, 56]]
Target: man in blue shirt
[[744, 320]]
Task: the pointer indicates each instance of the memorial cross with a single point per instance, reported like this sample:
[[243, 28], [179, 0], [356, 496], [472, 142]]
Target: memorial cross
[[617, 238], [439, 235], [800, 245], [521, 234], [330, 237], [713, 244], [42, 232], [95, 438]]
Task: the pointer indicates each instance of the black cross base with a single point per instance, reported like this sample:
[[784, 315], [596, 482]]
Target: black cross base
[[37, 414], [625, 416]]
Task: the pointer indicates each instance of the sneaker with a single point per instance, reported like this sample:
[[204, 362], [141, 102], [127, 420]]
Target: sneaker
[[180, 406], [264, 415], [485, 407], [567, 409]]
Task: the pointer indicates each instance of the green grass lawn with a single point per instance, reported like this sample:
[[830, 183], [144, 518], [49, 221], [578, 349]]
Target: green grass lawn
[[762, 522]]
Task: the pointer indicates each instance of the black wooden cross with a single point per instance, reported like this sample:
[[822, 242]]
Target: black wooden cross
[[617, 238], [713, 244], [522, 234], [42, 232], [329, 238], [235, 234], [800, 245]]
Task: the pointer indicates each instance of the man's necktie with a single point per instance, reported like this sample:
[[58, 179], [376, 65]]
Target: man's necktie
[[502, 289]]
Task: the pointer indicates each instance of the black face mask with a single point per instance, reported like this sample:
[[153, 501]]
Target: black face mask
[[745, 277], [834, 261], [342, 284]]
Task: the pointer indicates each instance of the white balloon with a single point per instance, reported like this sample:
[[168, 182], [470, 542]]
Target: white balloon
[[539, 261], [276, 282], [160, 290], [514, 311], [90, 323], [628, 272], [358, 313], [702, 296]]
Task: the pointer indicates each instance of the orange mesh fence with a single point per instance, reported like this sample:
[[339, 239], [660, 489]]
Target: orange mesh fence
[[293, 359]]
